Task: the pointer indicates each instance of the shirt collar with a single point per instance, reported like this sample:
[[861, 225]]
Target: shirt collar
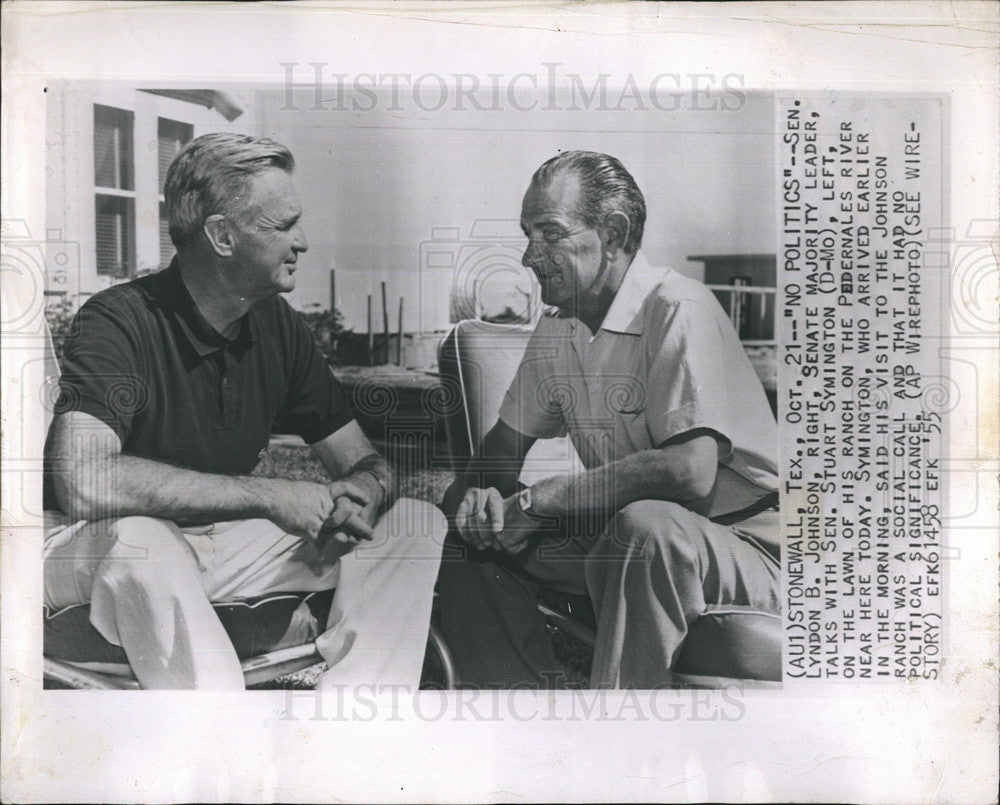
[[624, 315], [203, 337]]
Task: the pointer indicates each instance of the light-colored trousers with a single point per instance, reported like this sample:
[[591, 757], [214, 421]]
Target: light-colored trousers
[[150, 586], [656, 569], [653, 570]]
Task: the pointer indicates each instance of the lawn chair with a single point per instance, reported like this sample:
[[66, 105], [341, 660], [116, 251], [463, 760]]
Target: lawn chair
[[273, 635], [477, 361]]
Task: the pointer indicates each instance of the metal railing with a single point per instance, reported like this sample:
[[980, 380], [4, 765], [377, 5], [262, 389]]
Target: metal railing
[[751, 310]]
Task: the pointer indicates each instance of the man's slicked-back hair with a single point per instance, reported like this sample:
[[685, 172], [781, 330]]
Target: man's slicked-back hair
[[211, 175], [605, 188]]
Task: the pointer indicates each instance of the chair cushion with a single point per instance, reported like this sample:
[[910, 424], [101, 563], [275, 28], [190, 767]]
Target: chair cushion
[[734, 642], [255, 626], [726, 643]]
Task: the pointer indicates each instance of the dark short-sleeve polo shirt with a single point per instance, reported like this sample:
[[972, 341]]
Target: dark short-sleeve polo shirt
[[142, 359]]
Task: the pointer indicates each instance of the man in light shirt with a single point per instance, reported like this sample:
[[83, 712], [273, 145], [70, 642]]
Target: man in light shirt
[[676, 510]]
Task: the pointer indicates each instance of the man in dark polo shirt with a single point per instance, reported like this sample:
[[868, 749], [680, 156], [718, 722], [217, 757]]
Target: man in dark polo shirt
[[171, 387]]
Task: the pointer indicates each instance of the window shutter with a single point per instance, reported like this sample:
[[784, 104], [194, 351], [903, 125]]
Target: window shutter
[[172, 136], [113, 160], [115, 229], [114, 210]]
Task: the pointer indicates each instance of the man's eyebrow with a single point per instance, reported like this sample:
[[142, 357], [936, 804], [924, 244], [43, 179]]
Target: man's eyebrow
[[549, 220]]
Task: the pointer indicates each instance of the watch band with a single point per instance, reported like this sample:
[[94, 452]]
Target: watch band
[[381, 483]]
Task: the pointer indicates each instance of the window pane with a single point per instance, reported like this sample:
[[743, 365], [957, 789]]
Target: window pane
[[113, 148], [172, 137], [166, 245], [115, 217]]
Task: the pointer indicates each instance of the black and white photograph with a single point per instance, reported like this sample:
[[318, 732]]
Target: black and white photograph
[[440, 402], [653, 517]]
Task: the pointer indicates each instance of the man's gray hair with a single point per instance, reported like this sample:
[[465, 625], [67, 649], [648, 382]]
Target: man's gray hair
[[211, 174], [605, 188]]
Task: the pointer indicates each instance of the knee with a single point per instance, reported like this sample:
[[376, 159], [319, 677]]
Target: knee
[[417, 520], [141, 532], [141, 545], [655, 526]]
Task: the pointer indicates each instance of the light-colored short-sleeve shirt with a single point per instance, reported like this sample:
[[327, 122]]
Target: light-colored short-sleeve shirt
[[666, 361]]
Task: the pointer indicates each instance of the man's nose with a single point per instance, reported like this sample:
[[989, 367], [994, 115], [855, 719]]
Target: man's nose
[[530, 257], [300, 244]]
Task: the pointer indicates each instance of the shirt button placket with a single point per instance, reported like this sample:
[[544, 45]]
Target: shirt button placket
[[227, 407]]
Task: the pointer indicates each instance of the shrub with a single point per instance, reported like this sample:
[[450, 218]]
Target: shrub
[[59, 313], [340, 347], [326, 327]]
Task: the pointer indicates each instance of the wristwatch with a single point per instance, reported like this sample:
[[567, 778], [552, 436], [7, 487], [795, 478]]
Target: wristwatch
[[524, 503]]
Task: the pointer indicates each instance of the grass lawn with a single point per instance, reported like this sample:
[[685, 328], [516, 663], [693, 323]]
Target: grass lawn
[[298, 463]]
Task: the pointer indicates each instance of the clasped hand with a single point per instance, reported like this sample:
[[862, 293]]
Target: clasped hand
[[323, 512], [487, 521]]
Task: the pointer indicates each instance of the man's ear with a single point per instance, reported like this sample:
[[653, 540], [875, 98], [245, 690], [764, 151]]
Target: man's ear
[[220, 235], [616, 228]]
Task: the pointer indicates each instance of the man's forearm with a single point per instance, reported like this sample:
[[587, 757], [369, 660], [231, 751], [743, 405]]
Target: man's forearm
[[497, 463], [123, 485], [486, 472], [500, 459], [602, 491]]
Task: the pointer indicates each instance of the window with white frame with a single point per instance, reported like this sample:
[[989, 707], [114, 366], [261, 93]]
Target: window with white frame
[[115, 186], [112, 146]]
